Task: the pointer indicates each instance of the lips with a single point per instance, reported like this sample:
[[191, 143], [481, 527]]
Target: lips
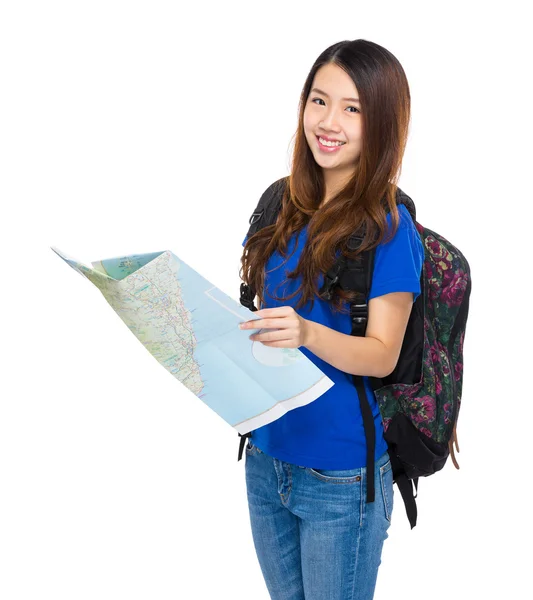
[[328, 139], [328, 149]]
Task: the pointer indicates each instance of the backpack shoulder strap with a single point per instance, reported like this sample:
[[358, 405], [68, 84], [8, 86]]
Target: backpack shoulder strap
[[357, 274], [265, 213], [268, 206], [403, 198], [343, 272], [360, 279]]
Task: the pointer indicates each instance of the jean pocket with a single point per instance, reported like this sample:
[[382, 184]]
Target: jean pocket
[[250, 448], [385, 476], [336, 475]]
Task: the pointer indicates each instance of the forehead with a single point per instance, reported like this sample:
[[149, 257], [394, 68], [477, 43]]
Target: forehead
[[335, 82]]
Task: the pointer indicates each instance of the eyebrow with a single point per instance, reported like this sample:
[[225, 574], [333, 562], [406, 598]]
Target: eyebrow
[[324, 94]]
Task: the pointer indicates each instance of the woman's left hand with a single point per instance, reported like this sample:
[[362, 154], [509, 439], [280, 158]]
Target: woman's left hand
[[292, 330]]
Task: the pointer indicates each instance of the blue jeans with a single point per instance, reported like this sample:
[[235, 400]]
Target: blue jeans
[[315, 536]]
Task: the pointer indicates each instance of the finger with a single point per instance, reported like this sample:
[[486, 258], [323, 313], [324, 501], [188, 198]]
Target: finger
[[280, 344], [280, 322], [275, 311], [273, 336], [271, 324]]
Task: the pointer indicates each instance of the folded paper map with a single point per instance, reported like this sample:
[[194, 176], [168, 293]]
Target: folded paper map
[[191, 328]]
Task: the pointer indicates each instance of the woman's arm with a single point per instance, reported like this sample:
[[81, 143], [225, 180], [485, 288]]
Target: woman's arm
[[375, 355]]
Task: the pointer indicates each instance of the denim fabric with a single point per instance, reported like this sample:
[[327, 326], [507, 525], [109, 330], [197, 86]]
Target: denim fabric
[[314, 535]]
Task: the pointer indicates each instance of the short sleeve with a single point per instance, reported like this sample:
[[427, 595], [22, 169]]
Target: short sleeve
[[398, 264]]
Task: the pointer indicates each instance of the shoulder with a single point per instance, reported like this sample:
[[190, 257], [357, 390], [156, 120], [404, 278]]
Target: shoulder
[[275, 188], [406, 228], [271, 198], [406, 240], [405, 219]]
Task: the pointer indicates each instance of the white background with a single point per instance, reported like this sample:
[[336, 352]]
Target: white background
[[131, 127]]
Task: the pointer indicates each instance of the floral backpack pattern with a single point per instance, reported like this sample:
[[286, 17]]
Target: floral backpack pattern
[[420, 401]]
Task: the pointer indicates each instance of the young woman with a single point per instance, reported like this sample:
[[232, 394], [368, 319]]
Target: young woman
[[315, 536]]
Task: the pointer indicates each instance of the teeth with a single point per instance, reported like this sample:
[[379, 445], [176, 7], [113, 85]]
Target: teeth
[[325, 143]]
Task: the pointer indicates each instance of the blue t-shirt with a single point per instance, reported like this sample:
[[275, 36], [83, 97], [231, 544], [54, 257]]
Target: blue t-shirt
[[328, 433]]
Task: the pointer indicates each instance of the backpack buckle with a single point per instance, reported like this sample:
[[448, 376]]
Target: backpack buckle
[[247, 297], [359, 318], [331, 278], [326, 291], [256, 216]]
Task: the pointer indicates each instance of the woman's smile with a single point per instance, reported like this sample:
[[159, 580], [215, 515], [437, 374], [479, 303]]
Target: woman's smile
[[329, 149]]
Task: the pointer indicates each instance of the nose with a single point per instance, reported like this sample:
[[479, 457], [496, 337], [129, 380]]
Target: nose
[[329, 122]]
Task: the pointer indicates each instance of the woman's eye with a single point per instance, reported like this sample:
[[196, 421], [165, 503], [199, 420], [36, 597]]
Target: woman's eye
[[323, 101]]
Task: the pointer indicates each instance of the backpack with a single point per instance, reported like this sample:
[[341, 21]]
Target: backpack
[[420, 400]]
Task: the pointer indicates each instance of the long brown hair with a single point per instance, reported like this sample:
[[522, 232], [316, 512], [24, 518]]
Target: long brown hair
[[363, 202]]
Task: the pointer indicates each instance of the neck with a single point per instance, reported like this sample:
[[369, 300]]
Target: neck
[[333, 183]]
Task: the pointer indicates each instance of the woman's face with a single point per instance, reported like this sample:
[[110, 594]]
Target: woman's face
[[329, 114]]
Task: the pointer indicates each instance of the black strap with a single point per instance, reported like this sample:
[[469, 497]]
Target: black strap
[[242, 442], [247, 297], [405, 486], [370, 435], [331, 278], [359, 318]]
